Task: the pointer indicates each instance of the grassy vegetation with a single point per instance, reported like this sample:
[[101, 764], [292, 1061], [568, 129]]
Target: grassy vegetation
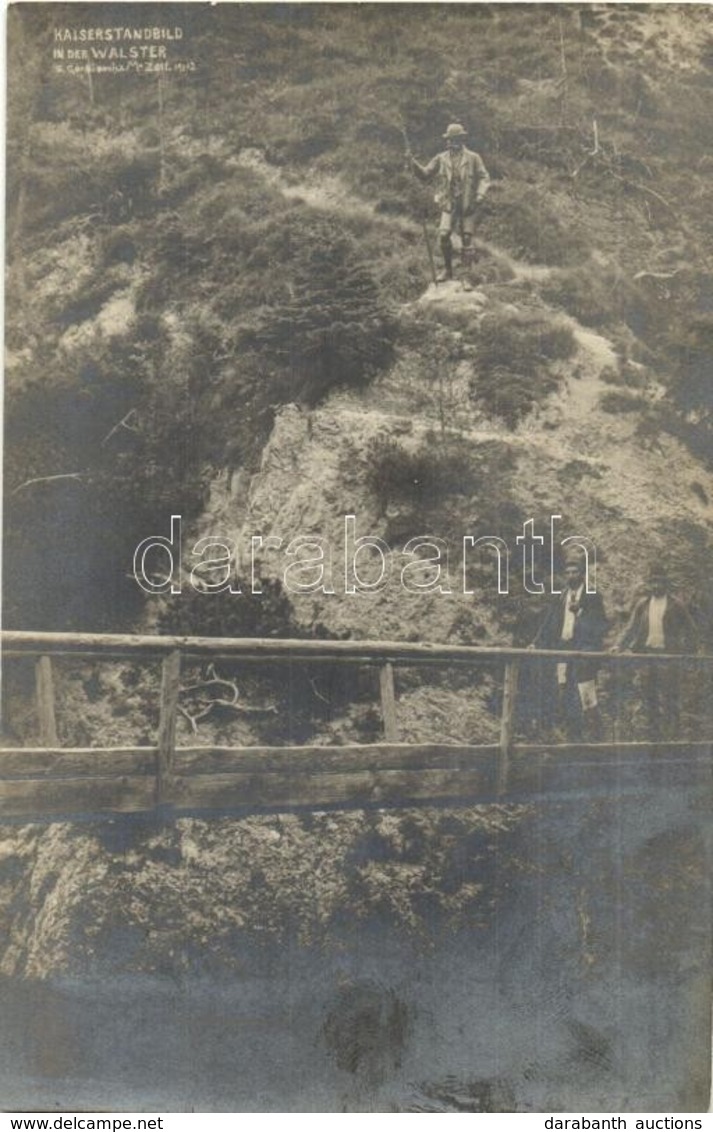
[[513, 369], [621, 401], [589, 294], [439, 467]]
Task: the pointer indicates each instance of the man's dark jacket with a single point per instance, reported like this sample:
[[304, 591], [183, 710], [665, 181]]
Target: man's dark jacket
[[679, 629], [590, 625]]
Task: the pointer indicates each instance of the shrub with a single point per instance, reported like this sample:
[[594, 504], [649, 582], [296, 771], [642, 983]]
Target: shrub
[[618, 401], [62, 183], [691, 347], [334, 328], [425, 475], [531, 229], [266, 614], [508, 396], [518, 340], [585, 294], [514, 356]]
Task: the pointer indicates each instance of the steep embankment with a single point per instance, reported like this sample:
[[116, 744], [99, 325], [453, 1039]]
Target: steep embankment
[[497, 958]]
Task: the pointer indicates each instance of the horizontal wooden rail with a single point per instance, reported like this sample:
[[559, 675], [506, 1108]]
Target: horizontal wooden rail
[[47, 780], [79, 762], [17, 642], [211, 779]]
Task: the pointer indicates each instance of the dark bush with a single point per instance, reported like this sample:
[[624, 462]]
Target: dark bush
[[618, 401], [521, 340], [586, 295], [690, 347], [248, 614], [514, 356], [425, 476], [531, 229], [62, 183], [334, 328]]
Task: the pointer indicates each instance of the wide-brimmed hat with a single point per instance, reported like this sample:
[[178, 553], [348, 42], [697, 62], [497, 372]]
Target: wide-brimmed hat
[[455, 130]]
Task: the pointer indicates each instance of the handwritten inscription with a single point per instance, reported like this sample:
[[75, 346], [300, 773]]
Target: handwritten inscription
[[78, 50]]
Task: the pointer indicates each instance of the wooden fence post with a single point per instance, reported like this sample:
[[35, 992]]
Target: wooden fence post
[[44, 689], [166, 752], [616, 681], [507, 722], [388, 703]]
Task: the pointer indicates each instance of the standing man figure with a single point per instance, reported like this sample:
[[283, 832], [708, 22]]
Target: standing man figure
[[461, 183], [659, 622], [574, 620]]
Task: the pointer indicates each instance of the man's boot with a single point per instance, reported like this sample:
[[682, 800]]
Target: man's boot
[[467, 260], [573, 727], [593, 730], [447, 253]]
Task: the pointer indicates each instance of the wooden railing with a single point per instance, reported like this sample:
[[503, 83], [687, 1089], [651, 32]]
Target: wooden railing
[[50, 779]]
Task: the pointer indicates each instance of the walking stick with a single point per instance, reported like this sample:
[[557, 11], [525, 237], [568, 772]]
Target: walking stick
[[431, 260], [426, 236]]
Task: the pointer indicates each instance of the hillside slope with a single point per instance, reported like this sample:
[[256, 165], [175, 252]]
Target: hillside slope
[[187, 256]]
